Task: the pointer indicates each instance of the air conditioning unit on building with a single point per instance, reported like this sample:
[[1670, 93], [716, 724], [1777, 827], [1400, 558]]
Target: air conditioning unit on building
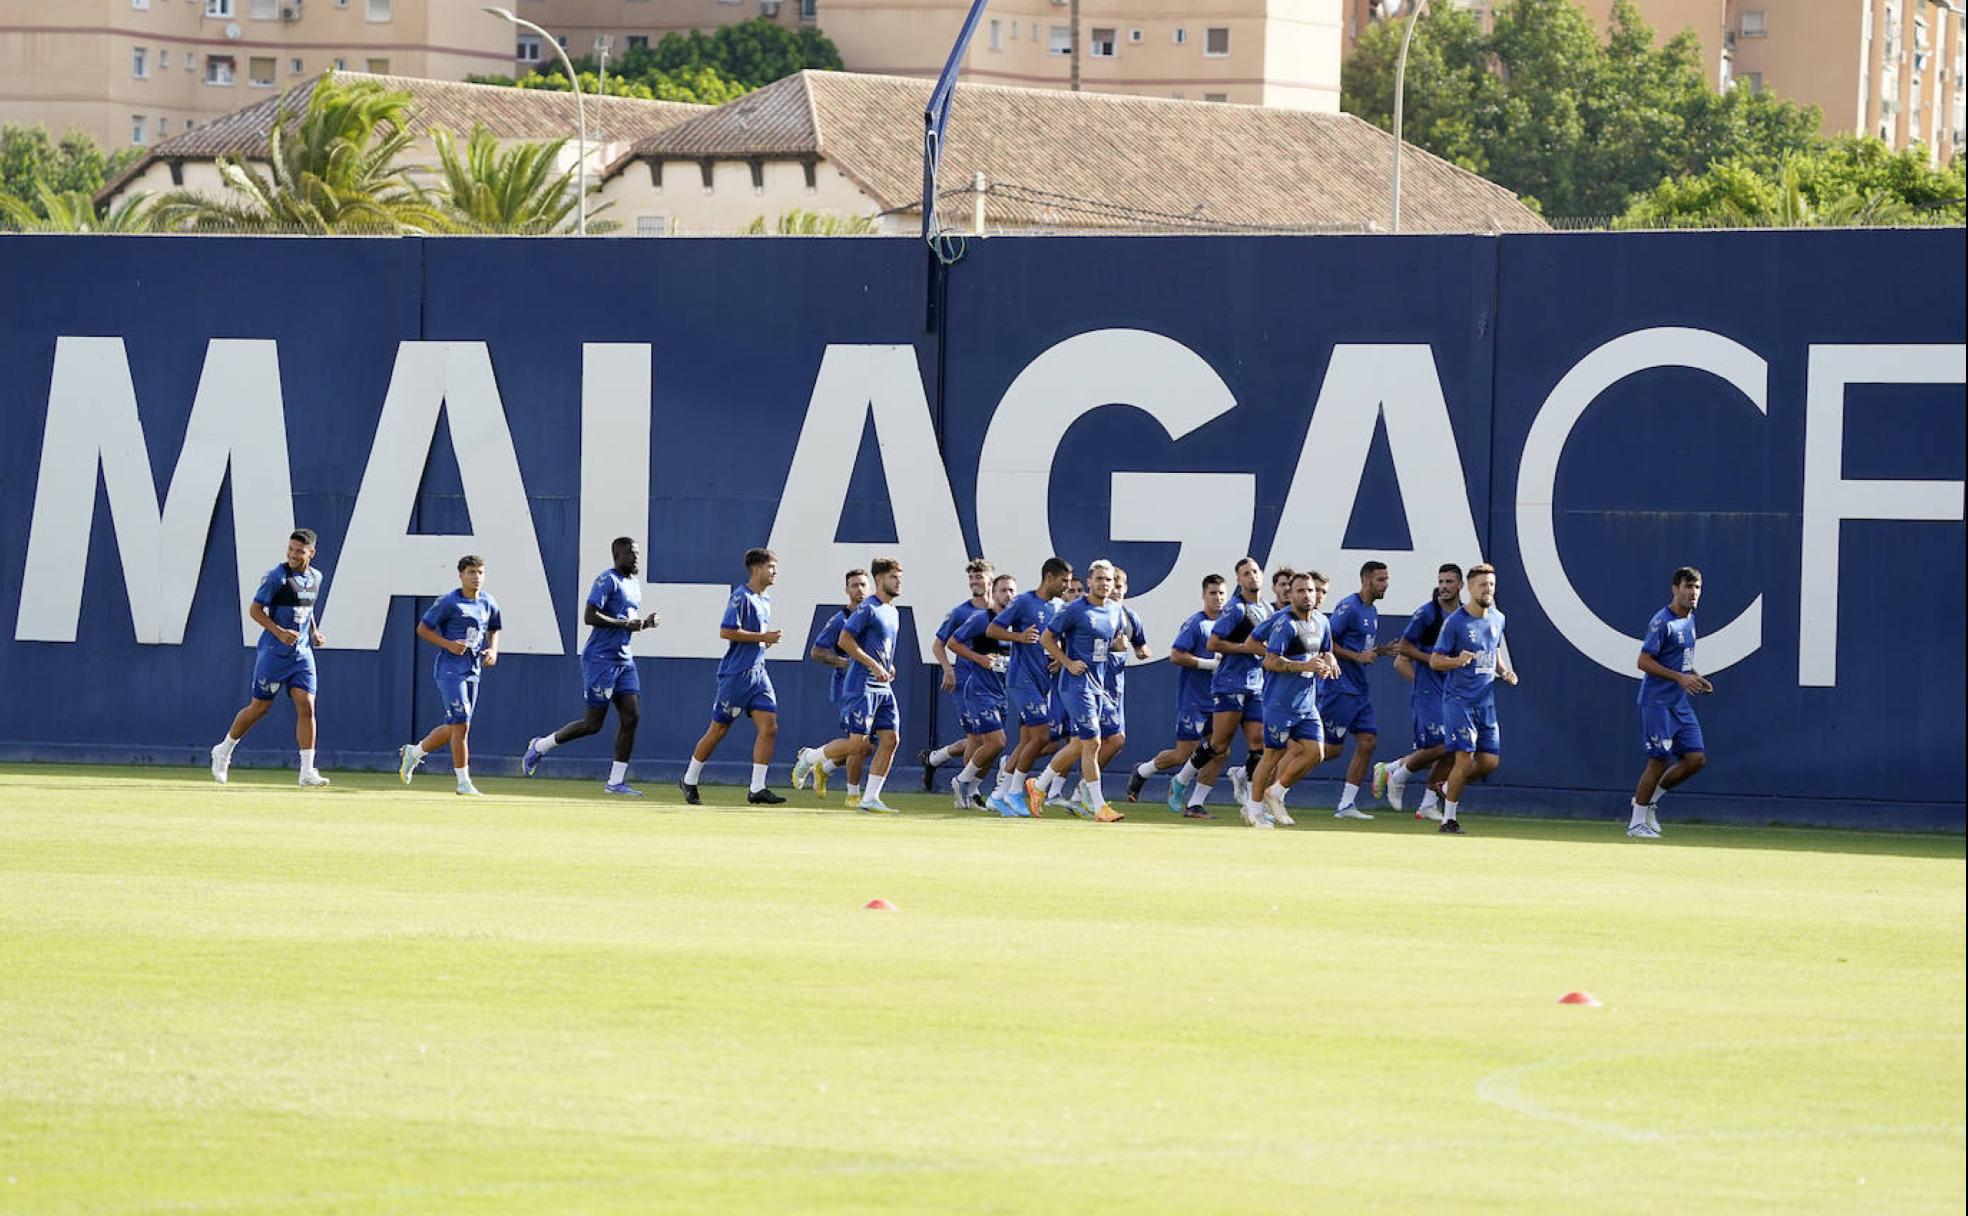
[[291, 11], [768, 8]]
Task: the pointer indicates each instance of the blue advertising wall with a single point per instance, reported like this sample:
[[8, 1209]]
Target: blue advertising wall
[[1666, 466]]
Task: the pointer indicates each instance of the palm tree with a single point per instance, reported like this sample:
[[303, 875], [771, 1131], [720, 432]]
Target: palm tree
[[801, 222], [76, 211], [514, 191], [336, 170]]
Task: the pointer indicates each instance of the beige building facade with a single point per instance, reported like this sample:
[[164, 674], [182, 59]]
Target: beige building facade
[[1283, 53], [138, 72]]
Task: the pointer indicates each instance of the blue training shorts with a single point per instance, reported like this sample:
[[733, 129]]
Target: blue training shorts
[[1668, 732], [1247, 705], [459, 693], [1028, 706], [272, 672], [603, 682], [1471, 727], [1427, 714], [873, 713], [1282, 726], [1346, 713], [748, 692], [981, 711], [1192, 722]]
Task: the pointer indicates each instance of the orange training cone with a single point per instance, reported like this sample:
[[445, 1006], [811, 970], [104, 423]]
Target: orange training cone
[[882, 905], [1570, 998]]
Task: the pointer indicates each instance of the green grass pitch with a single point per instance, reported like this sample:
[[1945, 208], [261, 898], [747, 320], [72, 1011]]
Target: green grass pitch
[[259, 999]]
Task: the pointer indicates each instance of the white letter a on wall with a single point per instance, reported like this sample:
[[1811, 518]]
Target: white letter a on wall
[[381, 558]]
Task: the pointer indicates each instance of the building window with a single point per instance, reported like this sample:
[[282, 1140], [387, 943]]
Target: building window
[[809, 10], [163, 58], [997, 34], [379, 67], [638, 42], [1061, 42], [1754, 24], [1753, 81], [1216, 97], [191, 61], [137, 133], [296, 66], [218, 69], [652, 225], [1181, 35], [140, 5], [263, 10], [529, 49], [379, 10], [218, 8], [1035, 31], [1216, 41], [259, 71], [1102, 44], [341, 64], [1014, 31], [140, 62], [1134, 35]]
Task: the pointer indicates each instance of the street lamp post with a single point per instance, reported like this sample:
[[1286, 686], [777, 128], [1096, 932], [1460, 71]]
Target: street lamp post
[[1400, 96], [580, 110]]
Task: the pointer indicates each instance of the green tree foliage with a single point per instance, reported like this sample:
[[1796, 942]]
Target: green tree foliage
[[1575, 123], [705, 68], [334, 167], [801, 222], [33, 166], [1853, 180], [75, 211], [511, 190]]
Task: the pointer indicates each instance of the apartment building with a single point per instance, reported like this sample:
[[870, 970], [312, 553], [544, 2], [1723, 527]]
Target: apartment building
[[1891, 68], [138, 72], [1283, 53]]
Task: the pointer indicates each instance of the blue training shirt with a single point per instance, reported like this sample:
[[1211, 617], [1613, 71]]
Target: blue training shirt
[[954, 620], [620, 596], [751, 611], [1421, 631], [1192, 685], [1288, 637], [457, 619], [1028, 659], [829, 638], [980, 679], [1130, 636], [874, 626], [1482, 634], [1671, 640], [1238, 672], [1086, 633], [288, 596], [1355, 626]]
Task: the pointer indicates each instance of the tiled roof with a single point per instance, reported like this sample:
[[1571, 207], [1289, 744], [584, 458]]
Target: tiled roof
[[1064, 159], [509, 113]]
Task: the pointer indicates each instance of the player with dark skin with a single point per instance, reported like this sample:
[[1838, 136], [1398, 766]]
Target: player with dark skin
[[628, 705]]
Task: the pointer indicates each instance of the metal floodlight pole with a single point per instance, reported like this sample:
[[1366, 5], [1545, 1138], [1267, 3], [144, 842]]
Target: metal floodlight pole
[[580, 110], [1400, 97], [936, 115]]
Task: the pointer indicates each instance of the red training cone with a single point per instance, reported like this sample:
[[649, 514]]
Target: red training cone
[[1575, 998], [882, 905]]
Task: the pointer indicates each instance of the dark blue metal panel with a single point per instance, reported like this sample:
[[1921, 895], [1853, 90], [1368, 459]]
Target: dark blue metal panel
[[1665, 467]]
